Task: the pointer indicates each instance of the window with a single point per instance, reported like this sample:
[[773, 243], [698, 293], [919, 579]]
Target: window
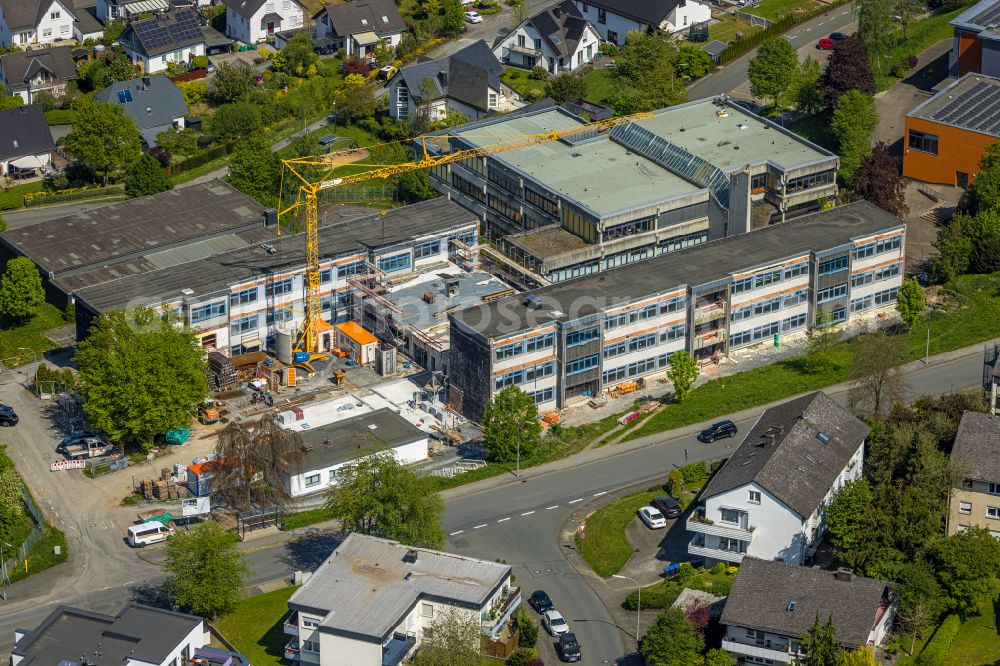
[[765, 279], [307, 622], [994, 489], [758, 182], [861, 304], [742, 284], [887, 296], [886, 272], [752, 633], [521, 41], [602, 18], [878, 247], [310, 646], [243, 297], [754, 497], [203, 312], [833, 265], [730, 515], [468, 239], [539, 372], [628, 229], [965, 508], [797, 270], [503, 180], [244, 325], [924, 142], [582, 364], [334, 473], [764, 307], [861, 279], [47, 32], [281, 287], [508, 379], [582, 337], [539, 342], [616, 349], [754, 334], [732, 545], [468, 188], [504, 207], [796, 298], [538, 44], [673, 333], [809, 182], [54, 15], [326, 276], [428, 249], [494, 100], [741, 313], [426, 610], [397, 262], [993, 512], [642, 342], [794, 323], [508, 351], [616, 320], [312, 480], [541, 201], [675, 304], [830, 293], [545, 395], [353, 268]]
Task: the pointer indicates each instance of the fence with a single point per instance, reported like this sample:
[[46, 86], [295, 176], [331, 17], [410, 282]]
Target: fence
[[36, 534], [747, 44], [753, 19]]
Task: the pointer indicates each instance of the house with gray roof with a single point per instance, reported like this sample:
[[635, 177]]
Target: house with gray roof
[[26, 144], [357, 26], [767, 500], [29, 72], [976, 452], [614, 19], [252, 21], [154, 103], [25, 22], [558, 39], [374, 600], [467, 81], [772, 605]]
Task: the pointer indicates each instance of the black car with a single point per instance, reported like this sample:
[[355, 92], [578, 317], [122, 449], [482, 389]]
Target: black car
[[838, 36], [7, 416], [717, 431], [668, 506], [540, 601], [569, 648]]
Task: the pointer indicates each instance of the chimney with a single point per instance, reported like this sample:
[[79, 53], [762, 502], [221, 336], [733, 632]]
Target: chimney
[[145, 81], [443, 78], [270, 217], [844, 574], [557, 11], [411, 556]]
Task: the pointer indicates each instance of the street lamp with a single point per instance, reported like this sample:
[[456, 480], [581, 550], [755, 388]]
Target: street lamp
[[34, 356], [927, 346], [517, 472], [638, 605]]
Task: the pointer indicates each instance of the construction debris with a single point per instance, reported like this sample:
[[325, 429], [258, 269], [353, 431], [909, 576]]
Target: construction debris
[[221, 373]]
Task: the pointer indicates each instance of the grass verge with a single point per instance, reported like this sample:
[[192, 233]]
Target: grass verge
[[604, 545], [293, 521], [717, 581], [598, 84], [919, 36], [42, 556], [30, 336], [13, 197], [255, 627], [775, 9]]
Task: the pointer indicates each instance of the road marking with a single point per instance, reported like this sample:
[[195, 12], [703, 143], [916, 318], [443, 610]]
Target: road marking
[[527, 513], [503, 520], [808, 29], [554, 506], [456, 532], [479, 526], [603, 492], [576, 500]]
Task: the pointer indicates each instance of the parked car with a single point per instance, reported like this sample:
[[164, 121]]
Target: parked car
[[654, 519], [838, 36], [717, 431], [554, 623], [826, 44], [386, 73], [7, 416], [540, 601], [473, 17], [83, 446], [569, 648], [668, 506], [143, 535]]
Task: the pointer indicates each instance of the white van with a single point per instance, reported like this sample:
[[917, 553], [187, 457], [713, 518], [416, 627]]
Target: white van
[[147, 533]]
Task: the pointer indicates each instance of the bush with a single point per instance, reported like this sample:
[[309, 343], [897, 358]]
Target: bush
[[694, 475], [71, 194], [538, 73], [659, 596], [675, 483], [522, 657], [52, 380], [901, 68], [937, 649], [199, 62], [529, 630], [609, 49]]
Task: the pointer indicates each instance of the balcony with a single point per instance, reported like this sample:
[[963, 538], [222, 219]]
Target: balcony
[[760, 651], [705, 315], [525, 50], [398, 647], [709, 338], [291, 624], [697, 523], [496, 618], [292, 650], [697, 547]]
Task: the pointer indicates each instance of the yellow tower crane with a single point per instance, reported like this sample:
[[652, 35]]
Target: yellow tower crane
[[307, 338]]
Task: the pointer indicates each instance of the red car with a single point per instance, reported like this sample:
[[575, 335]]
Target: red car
[[826, 44]]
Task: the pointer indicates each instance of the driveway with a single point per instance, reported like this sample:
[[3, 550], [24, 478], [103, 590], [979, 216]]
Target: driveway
[[654, 549], [900, 99]]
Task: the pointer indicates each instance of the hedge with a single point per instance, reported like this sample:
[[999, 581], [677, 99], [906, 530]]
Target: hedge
[[747, 44], [72, 195], [11, 200], [60, 116], [936, 651], [200, 159]]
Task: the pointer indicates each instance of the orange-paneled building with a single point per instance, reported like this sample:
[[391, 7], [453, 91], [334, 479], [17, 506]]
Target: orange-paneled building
[[946, 136], [976, 46]]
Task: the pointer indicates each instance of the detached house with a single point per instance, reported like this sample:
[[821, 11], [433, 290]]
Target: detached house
[[467, 81], [767, 501], [615, 18], [772, 605], [171, 37], [558, 38], [24, 22], [252, 21], [357, 26], [26, 144], [154, 103], [977, 453], [29, 72]]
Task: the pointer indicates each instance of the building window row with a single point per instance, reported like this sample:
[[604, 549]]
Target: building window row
[[468, 239], [210, 311], [243, 297], [428, 249], [244, 324], [875, 275], [523, 375], [541, 201], [834, 265], [544, 395], [878, 247], [505, 181], [468, 188], [677, 332], [809, 182], [645, 366], [575, 271], [644, 313], [626, 229], [502, 206], [887, 296], [793, 323], [351, 269], [796, 270], [533, 344], [924, 142], [397, 262], [831, 293], [281, 287], [582, 337], [831, 317], [681, 242], [757, 281], [753, 335], [582, 364]]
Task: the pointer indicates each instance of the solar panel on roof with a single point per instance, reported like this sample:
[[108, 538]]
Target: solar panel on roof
[[124, 96]]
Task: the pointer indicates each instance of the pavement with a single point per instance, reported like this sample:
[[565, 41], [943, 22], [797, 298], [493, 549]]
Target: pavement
[[893, 104]]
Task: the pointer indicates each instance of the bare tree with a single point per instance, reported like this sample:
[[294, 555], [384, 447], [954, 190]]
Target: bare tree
[[255, 461], [915, 620], [876, 379]]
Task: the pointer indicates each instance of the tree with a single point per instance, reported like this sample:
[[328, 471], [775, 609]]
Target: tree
[[140, 375], [693, 62], [847, 69], [719, 657], [256, 462], [355, 98], [206, 572], [876, 28], [672, 641], [682, 373], [414, 186], [510, 419], [565, 87], [877, 180], [299, 54], [376, 495], [193, 91], [808, 98], [527, 627], [921, 599], [877, 381], [967, 564], [231, 82], [819, 645], [178, 142], [863, 656], [823, 355], [8, 101], [113, 29], [236, 121], [103, 138], [847, 519], [644, 77], [254, 170], [773, 70], [452, 641], [853, 122], [21, 291], [146, 177], [454, 17], [954, 246], [985, 255], [45, 99], [910, 301], [120, 69], [13, 512]]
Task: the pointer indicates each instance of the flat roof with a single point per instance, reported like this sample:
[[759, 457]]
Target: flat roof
[[970, 103], [136, 227], [983, 17], [217, 272], [354, 437], [698, 265], [368, 584], [471, 288], [546, 242]]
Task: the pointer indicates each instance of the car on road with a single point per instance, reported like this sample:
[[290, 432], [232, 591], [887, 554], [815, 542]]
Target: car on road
[[554, 623], [826, 44], [540, 601], [149, 533], [473, 17], [654, 519], [838, 36], [7, 416], [717, 431], [668, 506], [569, 648]]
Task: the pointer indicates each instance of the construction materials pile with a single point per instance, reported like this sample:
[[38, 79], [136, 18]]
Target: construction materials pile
[[222, 375], [163, 488]]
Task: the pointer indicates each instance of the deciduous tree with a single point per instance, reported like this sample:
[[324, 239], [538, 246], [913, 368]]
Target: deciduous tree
[[254, 170], [719, 657], [819, 645], [848, 519], [510, 420], [876, 28], [255, 463], [355, 98], [526, 626], [120, 69], [985, 257], [773, 70], [644, 76], [145, 177], [910, 301], [967, 564], [103, 138], [682, 373], [453, 639], [863, 656], [8, 101], [21, 291], [672, 641], [808, 98], [299, 54], [693, 62], [454, 17], [231, 82], [565, 87], [877, 381], [854, 120], [236, 121], [206, 572], [877, 180], [14, 521]]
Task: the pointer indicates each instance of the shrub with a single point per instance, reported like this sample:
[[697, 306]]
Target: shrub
[[609, 49], [53, 380], [522, 656], [675, 483], [355, 66], [529, 630], [902, 67], [719, 568], [937, 649], [658, 596], [694, 474], [538, 73], [199, 62]]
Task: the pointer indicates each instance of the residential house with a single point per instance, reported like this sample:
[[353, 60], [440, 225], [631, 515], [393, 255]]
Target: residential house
[[136, 635], [772, 606], [373, 601], [977, 454], [26, 144], [467, 82], [87, 25], [976, 42], [768, 499], [615, 18], [558, 38], [357, 26], [29, 72], [128, 10], [171, 37], [24, 22], [154, 103], [252, 21]]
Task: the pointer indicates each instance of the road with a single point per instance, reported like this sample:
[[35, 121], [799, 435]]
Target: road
[[488, 30]]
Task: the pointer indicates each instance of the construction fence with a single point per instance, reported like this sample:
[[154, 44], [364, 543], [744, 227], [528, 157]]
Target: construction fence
[[33, 538]]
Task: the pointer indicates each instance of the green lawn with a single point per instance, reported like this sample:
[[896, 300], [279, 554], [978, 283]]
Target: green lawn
[[517, 78], [725, 29], [41, 557], [30, 336], [13, 197], [775, 9], [598, 85], [665, 592], [977, 643], [255, 627], [305, 518], [919, 37], [816, 129], [605, 546]]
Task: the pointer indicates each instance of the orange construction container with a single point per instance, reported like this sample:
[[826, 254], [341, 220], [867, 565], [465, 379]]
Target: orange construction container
[[551, 417]]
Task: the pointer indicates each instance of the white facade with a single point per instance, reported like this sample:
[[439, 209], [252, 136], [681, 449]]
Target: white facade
[[42, 160], [524, 47], [158, 63], [749, 520], [56, 24], [614, 28], [319, 479], [403, 107], [256, 29], [351, 43]]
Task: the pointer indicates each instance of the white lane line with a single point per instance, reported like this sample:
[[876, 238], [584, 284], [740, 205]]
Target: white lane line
[[477, 527], [527, 513], [456, 532], [808, 29], [575, 501], [554, 506], [603, 492], [503, 520]]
